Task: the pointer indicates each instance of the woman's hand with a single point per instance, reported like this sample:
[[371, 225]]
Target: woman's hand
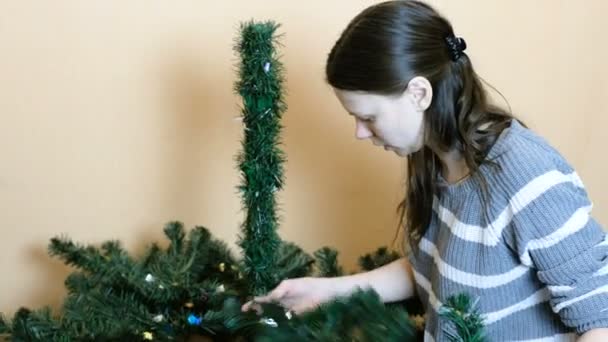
[[297, 295]]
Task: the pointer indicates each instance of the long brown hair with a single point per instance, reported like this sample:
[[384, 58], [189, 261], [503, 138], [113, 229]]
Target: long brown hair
[[380, 51]]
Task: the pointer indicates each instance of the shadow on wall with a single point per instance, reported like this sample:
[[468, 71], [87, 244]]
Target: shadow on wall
[[51, 292], [196, 161], [192, 101]]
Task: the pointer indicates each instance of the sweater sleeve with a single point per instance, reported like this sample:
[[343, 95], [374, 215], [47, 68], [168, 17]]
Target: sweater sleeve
[[554, 233]]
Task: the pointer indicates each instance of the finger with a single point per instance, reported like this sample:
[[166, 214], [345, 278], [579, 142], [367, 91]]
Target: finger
[[251, 305], [274, 296], [246, 306], [280, 291], [264, 299]]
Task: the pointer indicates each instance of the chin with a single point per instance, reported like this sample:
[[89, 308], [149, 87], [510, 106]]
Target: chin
[[404, 152]]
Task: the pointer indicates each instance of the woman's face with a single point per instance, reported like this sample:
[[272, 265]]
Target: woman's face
[[393, 122]]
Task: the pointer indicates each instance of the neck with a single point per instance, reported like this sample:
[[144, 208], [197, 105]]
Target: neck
[[454, 166]]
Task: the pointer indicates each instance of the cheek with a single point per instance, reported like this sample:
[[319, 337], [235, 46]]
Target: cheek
[[404, 131], [414, 127], [420, 130]]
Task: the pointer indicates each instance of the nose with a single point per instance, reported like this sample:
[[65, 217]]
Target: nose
[[362, 131]]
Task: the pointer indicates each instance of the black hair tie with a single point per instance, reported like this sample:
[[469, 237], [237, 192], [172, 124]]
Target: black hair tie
[[456, 46]]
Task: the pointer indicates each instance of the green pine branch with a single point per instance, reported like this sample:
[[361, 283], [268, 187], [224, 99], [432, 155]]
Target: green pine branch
[[260, 86], [359, 317], [379, 257], [114, 296], [465, 322], [38, 325], [327, 262]]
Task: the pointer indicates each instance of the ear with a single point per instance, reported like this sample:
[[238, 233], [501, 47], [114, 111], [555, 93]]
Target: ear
[[421, 91]]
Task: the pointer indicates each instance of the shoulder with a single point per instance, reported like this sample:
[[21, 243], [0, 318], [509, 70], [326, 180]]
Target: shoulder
[[523, 156], [544, 194], [525, 168]]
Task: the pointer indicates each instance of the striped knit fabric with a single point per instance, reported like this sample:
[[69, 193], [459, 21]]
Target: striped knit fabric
[[537, 263]]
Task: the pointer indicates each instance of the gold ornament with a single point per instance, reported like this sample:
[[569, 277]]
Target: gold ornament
[[222, 267], [189, 305], [419, 321], [148, 336]]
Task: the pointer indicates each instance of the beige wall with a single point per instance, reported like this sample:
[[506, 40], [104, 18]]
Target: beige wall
[[118, 116]]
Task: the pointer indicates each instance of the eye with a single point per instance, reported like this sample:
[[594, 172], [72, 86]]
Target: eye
[[368, 119]]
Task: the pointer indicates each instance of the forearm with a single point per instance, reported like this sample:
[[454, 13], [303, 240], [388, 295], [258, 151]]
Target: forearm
[[393, 282], [600, 334]]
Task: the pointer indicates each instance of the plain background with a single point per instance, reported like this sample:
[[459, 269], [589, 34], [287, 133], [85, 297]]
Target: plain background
[[119, 116]]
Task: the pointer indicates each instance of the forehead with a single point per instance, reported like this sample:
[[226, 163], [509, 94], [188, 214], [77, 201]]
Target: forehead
[[359, 101]]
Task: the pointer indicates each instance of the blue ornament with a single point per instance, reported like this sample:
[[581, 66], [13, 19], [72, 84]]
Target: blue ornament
[[194, 320]]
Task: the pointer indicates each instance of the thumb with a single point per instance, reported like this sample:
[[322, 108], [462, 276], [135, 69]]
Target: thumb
[[252, 305], [275, 295]]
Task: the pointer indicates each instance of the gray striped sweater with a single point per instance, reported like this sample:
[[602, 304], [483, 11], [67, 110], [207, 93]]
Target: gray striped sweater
[[536, 263]]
